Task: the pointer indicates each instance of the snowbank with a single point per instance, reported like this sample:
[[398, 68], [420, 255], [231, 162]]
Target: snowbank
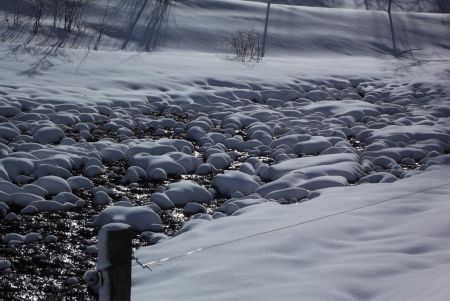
[[393, 250]]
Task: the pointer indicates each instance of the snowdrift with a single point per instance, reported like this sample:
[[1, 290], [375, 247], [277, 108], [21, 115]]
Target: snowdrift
[[319, 250]]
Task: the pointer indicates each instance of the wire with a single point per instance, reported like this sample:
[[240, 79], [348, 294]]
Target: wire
[[164, 260]]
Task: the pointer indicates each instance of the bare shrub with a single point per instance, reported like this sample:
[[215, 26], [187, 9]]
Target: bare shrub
[[14, 20], [55, 11], [7, 19], [73, 11], [38, 8], [443, 6], [246, 45]]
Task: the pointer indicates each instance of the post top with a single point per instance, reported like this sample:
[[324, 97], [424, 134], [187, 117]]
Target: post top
[[112, 227]]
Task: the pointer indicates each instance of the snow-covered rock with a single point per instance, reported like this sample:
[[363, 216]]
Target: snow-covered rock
[[110, 154], [101, 198], [232, 181], [288, 193], [219, 160], [4, 265], [48, 135], [184, 192], [379, 177], [193, 208], [80, 182], [139, 218], [53, 184], [278, 170], [314, 146]]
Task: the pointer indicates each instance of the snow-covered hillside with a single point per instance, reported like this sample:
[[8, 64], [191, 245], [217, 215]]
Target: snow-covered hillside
[[155, 125], [204, 25], [436, 6]]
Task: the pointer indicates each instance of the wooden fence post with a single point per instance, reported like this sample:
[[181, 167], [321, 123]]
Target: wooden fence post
[[114, 262]]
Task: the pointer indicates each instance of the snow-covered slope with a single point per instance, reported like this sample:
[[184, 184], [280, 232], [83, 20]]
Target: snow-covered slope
[[395, 250], [403, 5], [204, 25]]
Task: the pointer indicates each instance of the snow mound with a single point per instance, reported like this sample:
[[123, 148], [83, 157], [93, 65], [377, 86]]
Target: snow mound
[[296, 193], [10, 168], [183, 192], [314, 146], [140, 218], [48, 135], [276, 171], [353, 108], [233, 181], [53, 185], [175, 163]]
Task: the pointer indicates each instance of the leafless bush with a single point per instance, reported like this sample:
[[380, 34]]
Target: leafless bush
[[38, 8], [54, 7], [443, 7], [246, 45], [14, 20], [73, 14]]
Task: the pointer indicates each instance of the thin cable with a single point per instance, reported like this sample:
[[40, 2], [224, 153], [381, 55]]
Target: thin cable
[[146, 265]]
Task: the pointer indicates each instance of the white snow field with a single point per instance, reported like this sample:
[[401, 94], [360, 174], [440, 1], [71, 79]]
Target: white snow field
[[396, 250], [320, 173]]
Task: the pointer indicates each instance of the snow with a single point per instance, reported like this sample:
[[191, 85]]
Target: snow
[[396, 249], [193, 208], [288, 194], [112, 154], [29, 210], [183, 192], [139, 218], [314, 146], [277, 171], [67, 197], [151, 148], [50, 239], [4, 265], [14, 238], [205, 169], [219, 160], [157, 174], [175, 163], [161, 200], [53, 184], [80, 182], [101, 198], [11, 217], [3, 207], [47, 135], [234, 181], [234, 205], [154, 238], [379, 177], [329, 106], [46, 205], [13, 167]]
